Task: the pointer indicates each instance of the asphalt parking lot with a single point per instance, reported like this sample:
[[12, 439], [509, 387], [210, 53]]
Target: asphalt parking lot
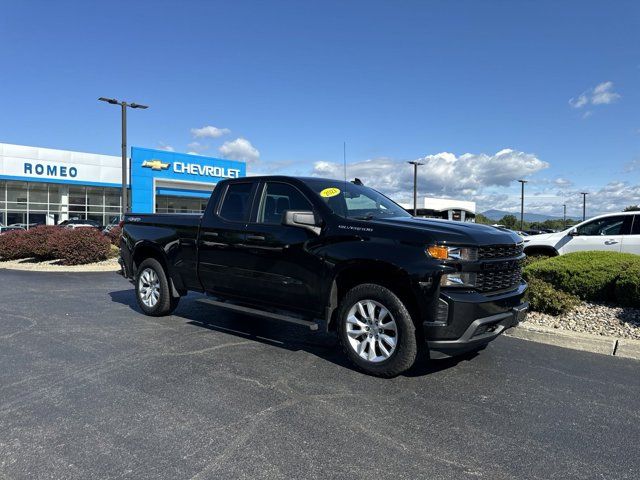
[[91, 388]]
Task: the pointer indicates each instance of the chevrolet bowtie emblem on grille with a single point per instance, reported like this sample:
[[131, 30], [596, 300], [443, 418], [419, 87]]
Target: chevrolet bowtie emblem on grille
[[155, 165]]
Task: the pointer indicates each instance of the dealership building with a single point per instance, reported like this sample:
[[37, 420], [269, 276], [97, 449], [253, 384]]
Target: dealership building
[[444, 208], [47, 186]]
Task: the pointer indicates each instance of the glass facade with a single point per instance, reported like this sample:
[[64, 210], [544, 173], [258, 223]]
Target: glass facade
[[171, 204], [31, 203]]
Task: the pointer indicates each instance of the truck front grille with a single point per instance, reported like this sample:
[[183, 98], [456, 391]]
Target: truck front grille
[[493, 252], [498, 280]]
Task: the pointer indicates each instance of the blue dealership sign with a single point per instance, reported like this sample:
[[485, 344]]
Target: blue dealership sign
[[158, 172]]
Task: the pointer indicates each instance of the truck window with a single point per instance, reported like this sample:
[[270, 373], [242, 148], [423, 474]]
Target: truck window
[[606, 226], [236, 202], [277, 198], [355, 201]]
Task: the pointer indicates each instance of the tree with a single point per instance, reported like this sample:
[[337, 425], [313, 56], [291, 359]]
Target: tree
[[509, 221], [484, 220], [632, 208]]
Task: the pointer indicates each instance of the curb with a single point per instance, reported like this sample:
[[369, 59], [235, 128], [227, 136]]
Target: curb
[[619, 347], [45, 268]]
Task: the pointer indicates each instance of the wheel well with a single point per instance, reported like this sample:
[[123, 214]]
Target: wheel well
[[379, 273], [143, 252], [541, 250]]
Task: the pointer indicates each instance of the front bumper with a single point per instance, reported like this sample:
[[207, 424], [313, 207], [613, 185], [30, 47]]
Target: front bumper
[[478, 334], [473, 320]]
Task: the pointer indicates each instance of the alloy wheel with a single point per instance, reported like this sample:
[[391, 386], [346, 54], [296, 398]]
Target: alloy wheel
[[149, 287], [372, 331]]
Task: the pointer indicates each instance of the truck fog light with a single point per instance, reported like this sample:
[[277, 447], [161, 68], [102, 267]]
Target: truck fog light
[[442, 312], [465, 279]]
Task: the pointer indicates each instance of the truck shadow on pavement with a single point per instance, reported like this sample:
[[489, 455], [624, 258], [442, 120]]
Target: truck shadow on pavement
[[273, 332]]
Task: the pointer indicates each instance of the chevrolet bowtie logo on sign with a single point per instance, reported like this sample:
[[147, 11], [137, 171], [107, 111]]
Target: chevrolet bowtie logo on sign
[[155, 165]]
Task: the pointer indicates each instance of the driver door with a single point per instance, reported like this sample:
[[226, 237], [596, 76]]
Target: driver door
[[282, 269], [604, 234]]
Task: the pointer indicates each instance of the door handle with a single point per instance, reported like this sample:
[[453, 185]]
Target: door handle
[[610, 242], [256, 237]]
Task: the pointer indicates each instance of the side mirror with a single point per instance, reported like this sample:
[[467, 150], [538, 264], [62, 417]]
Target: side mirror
[[573, 232], [302, 219]]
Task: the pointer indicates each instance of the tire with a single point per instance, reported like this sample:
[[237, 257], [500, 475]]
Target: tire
[[364, 328], [152, 289]]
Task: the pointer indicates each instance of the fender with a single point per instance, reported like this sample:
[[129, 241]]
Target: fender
[[160, 253]]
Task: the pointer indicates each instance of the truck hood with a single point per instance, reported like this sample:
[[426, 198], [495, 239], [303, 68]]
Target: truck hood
[[451, 232]]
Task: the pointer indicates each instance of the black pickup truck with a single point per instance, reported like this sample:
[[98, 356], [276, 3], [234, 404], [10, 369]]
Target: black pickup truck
[[336, 256]]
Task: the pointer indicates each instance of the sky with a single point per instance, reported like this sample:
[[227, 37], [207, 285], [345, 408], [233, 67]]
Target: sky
[[483, 93]]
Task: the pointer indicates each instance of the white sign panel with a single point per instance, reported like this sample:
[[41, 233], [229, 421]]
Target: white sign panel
[[46, 164]]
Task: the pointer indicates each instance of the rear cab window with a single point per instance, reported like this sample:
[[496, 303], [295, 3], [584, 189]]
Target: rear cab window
[[236, 203]]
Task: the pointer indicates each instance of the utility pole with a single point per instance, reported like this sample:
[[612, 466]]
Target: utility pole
[[522, 205], [584, 205], [415, 164], [564, 216], [124, 105]]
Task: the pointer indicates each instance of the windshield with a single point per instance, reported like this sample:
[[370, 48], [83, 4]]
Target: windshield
[[355, 201]]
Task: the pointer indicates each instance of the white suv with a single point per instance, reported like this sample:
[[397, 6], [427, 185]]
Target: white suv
[[614, 232]]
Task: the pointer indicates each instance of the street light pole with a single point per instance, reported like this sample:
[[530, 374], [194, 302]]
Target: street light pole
[[584, 205], [522, 205], [564, 216], [124, 105], [415, 164]]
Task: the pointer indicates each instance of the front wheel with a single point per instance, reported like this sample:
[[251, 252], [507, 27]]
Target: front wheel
[[376, 331], [152, 289]]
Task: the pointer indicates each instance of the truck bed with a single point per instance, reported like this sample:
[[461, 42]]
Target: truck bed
[[178, 232]]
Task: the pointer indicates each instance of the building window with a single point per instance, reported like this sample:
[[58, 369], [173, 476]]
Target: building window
[[36, 203], [171, 204]]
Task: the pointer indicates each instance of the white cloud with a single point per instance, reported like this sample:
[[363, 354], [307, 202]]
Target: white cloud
[[443, 174], [632, 166], [581, 101], [209, 132], [562, 182], [240, 149], [197, 147], [164, 146], [601, 94]]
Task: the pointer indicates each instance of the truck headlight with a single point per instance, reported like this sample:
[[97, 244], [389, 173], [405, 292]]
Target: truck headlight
[[461, 279], [442, 252]]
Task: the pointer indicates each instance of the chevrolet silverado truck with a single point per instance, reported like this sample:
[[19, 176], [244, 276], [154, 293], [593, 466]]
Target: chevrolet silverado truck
[[333, 256]]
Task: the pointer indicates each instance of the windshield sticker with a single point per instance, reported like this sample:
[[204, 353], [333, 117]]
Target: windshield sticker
[[330, 192]]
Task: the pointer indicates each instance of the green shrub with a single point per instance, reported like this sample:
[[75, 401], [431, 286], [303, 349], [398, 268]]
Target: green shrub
[[627, 288], [545, 298], [13, 245], [588, 275], [81, 245], [114, 252]]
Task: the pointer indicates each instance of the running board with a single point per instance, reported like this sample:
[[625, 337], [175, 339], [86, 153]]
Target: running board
[[260, 313]]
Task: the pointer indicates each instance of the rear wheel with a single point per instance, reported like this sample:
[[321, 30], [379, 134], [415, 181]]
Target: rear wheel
[[376, 331], [152, 289]]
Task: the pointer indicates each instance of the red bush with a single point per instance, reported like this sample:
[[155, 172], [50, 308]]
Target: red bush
[[13, 245], [40, 242], [114, 235], [81, 245]]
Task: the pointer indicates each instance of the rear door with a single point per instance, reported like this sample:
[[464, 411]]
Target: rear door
[[221, 240], [631, 242], [284, 272]]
